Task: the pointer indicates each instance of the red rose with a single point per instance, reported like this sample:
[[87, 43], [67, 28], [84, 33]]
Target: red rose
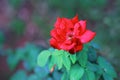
[[70, 34]]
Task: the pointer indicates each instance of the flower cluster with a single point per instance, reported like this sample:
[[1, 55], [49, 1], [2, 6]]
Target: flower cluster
[[70, 34]]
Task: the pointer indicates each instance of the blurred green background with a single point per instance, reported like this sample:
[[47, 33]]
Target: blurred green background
[[25, 26]]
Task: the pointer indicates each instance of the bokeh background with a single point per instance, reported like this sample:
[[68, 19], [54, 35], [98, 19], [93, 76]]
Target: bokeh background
[[25, 26]]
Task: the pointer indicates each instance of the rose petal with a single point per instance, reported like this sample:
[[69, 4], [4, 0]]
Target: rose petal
[[53, 33], [54, 43], [57, 23], [75, 19], [83, 25], [87, 36], [62, 25], [59, 37], [68, 23], [78, 48], [77, 29], [67, 46]]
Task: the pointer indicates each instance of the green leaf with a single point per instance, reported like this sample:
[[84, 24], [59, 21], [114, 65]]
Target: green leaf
[[90, 75], [92, 56], [12, 62], [20, 53], [94, 45], [107, 67], [59, 62], [84, 77], [66, 54], [43, 58], [73, 58], [93, 67], [65, 76], [76, 72], [99, 73], [52, 61], [56, 59], [58, 52], [107, 77], [82, 57], [60, 58], [66, 62]]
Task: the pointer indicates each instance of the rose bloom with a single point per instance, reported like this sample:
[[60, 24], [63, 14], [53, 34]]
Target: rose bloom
[[70, 34]]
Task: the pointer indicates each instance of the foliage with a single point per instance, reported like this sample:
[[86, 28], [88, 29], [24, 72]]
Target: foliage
[[78, 66], [30, 70], [27, 54]]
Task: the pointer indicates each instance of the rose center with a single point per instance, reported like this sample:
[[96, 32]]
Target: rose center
[[69, 36]]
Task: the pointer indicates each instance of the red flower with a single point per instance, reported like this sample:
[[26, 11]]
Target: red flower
[[70, 34]]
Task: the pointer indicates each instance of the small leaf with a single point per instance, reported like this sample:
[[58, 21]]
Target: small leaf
[[66, 62], [58, 52], [107, 77], [73, 58], [84, 77], [82, 57], [99, 73], [93, 67], [12, 62], [56, 59], [90, 75], [107, 67], [94, 45], [52, 61], [43, 58], [59, 62], [92, 56], [65, 76], [76, 72]]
